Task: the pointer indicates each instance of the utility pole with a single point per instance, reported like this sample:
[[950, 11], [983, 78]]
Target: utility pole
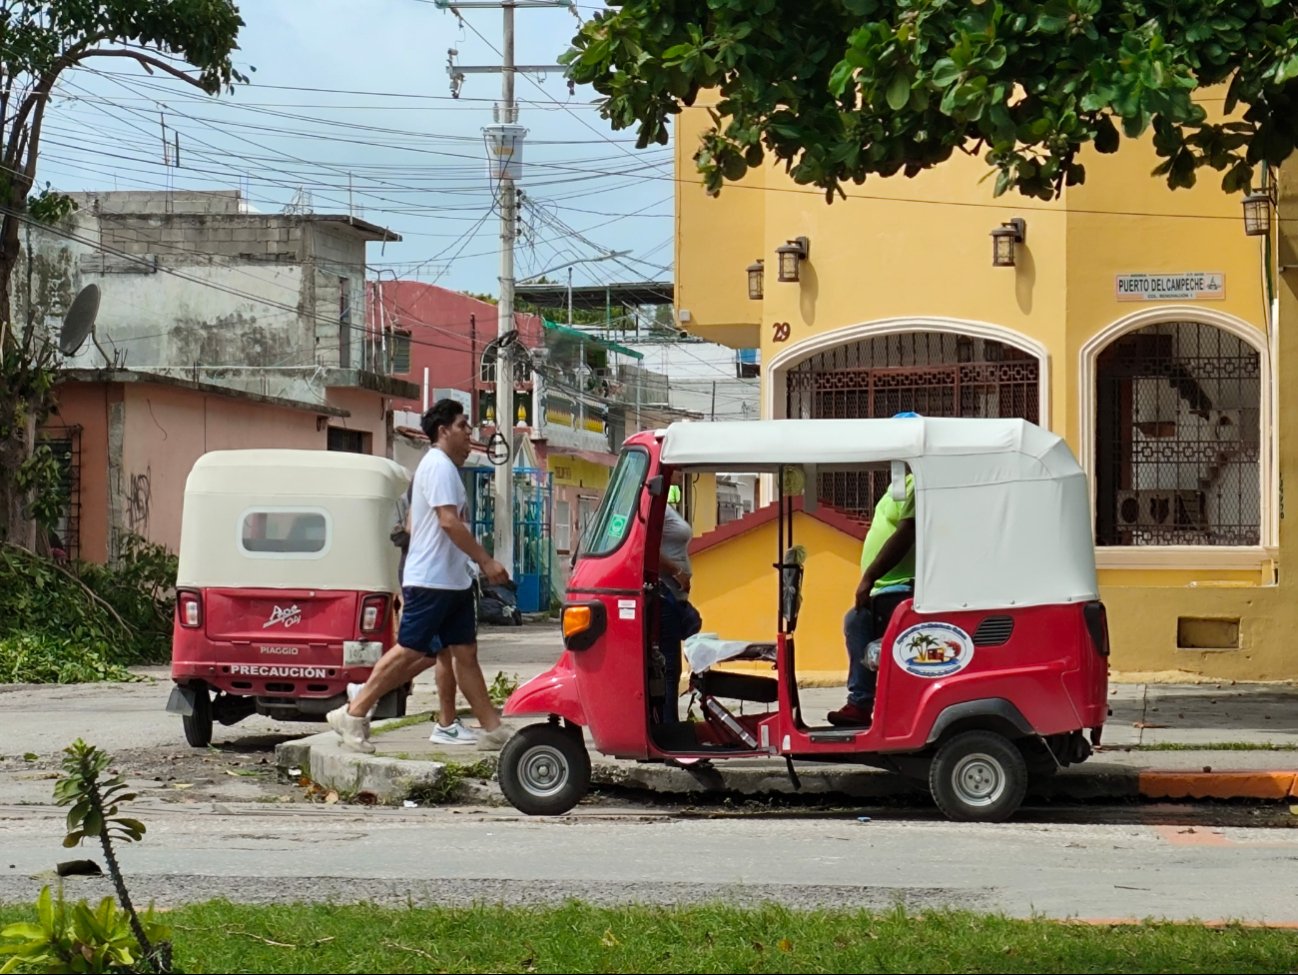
[[505, 163], [505, 139]]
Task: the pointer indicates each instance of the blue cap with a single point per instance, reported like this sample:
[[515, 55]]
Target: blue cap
[[906, 416]]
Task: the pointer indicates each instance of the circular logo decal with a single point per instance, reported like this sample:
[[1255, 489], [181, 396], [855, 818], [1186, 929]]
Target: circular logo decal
[[933, 650]]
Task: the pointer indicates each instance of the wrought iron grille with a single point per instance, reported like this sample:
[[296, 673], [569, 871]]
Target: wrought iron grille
[[65, 444], [1178, 438], [932, 373]]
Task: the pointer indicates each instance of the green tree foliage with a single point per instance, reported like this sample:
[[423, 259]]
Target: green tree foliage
[[840, 90], [39, 41]]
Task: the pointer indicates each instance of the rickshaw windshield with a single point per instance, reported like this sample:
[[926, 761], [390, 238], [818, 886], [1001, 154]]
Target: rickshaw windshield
[[613, 519]]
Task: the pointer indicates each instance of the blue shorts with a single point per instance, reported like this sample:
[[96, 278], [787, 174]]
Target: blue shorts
[[432, 619]]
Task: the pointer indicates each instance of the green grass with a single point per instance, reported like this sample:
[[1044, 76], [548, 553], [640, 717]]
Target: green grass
[[392, 724], [223, 937]]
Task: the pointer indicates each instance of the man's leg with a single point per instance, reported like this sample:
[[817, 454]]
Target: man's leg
[[468, 674], [459, 633], [415, 652], [669, 645], [351, 721], [398, 666], [861, 680], [444, 675]]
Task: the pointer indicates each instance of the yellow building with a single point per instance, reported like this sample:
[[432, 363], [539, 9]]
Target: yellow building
[[1141, 323]]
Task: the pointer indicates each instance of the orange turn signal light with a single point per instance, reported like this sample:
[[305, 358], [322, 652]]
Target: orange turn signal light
[[576, 619]]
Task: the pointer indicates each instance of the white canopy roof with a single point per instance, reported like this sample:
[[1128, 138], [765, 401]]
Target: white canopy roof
[[349, 498], [1003, 510]]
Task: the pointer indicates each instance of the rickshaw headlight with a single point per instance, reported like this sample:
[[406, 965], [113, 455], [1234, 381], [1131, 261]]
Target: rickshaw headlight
[[190, 609]]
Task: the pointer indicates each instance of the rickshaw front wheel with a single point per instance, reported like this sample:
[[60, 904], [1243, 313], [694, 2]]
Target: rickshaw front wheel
[[544, 769], [978, 776], [198, 726]]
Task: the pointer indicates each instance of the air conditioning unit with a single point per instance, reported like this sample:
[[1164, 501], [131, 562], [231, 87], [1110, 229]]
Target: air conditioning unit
[[1160, 508]]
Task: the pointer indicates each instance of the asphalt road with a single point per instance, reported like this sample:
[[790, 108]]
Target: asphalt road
[[220, 824]]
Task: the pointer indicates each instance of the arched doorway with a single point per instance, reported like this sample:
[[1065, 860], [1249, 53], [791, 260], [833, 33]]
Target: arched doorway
[[1178, 437], [935, 373]]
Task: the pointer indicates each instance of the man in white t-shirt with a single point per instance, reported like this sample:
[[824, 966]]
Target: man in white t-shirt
[[437, 588]]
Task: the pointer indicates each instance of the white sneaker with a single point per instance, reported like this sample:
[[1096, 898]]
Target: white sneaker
[[455, 733], [352, 691], [494, 741], [355, 732]]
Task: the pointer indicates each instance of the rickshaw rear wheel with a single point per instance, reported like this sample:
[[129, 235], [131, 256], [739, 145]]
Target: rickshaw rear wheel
[[544, 769], [978, 776], [198, 726]]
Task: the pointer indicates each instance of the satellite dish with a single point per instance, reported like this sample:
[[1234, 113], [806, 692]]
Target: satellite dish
[[79, 322]]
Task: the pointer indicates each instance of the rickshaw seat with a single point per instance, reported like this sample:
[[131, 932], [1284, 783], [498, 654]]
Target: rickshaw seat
[[740, 687]]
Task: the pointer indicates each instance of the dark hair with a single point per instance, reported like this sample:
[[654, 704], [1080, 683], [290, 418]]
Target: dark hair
[[440, 414]]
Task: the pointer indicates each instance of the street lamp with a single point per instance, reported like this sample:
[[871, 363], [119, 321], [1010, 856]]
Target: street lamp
[[756, 270]]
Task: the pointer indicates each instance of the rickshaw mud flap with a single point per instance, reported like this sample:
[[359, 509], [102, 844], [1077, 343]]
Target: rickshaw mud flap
[[181, 701], [991, 713]]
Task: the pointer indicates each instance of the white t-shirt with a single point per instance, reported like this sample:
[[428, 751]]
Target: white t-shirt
[[434, 561]]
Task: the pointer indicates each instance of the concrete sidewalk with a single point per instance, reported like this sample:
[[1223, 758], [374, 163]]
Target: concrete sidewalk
[[1205, 740]]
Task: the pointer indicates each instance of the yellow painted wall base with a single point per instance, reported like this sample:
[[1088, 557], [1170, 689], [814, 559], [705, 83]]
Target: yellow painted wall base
[[735, 590]]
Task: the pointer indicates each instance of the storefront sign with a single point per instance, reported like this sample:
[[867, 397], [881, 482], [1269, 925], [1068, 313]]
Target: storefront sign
[[1192, 285]]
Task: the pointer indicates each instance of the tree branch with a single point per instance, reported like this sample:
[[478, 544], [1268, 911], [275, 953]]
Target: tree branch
[[45, 86], [94, 596], [144, 59]]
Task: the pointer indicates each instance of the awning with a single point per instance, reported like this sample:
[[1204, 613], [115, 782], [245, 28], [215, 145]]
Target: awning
[[599, 457], [588, 337]]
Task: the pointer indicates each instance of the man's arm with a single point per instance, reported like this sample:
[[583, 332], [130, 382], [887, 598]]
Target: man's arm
[[893, 551], [448, 516]]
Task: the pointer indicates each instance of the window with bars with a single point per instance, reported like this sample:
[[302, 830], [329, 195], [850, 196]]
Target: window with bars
[[400, 351], [64, 443], [931, 373], [1178, 438]]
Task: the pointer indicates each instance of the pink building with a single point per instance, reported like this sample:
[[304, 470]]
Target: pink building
[[128, 439], [436, 339]]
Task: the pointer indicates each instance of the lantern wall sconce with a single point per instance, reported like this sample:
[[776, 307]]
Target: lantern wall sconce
[[756, 273], [1257, 211], [1005, 241], [791, 255]]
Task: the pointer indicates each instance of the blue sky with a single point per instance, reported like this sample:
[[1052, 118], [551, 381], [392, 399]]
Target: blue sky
[[350, 104]]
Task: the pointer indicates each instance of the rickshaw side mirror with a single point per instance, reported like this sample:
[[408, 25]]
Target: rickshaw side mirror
[[655, 485], [898, 487]]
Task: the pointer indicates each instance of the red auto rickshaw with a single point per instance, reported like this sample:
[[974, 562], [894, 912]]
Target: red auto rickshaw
[[287, 585], [996, 669]]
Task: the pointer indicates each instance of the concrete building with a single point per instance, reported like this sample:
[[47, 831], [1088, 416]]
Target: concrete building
[[217, 326], [1140, 323]]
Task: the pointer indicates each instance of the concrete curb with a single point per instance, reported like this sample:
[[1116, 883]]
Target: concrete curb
[[391, 780], [1155, 784], [323, 759]]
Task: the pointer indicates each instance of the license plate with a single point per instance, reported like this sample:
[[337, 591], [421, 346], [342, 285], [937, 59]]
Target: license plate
[[361, 653]]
